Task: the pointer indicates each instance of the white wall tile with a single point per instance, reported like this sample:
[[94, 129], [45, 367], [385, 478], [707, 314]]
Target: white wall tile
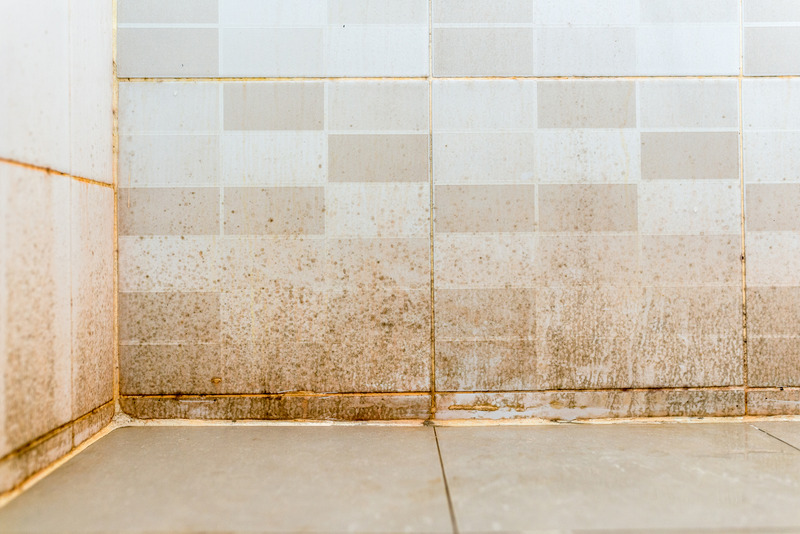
[[271, 52], [168, 107], [683, 49], [303, 13], [168, 160], [584, 51], [376, 50], [484, 105], [585, 12], [274, 158], [771, 104], [484, 158], [689, 207], [377, 210], [772, 156], [588, 156]]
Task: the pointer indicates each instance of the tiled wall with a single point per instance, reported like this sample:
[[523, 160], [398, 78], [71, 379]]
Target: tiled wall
[[56, 231], [492, 208]]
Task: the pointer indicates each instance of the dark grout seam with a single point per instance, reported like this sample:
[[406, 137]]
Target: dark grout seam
[[446, 485], [776, 437]]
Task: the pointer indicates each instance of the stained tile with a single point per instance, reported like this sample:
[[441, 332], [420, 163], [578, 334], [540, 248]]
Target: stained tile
[[582, 104], [273, 106], [274, 210], [168, 211], [491, 208], [587, 208]]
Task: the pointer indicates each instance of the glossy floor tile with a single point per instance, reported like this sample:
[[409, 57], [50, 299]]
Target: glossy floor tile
[[566, 478]]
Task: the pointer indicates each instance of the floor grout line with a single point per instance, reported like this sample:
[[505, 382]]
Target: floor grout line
[[446, 485], [776, 437]]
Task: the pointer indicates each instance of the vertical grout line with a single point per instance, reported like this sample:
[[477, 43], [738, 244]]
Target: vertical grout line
[[430, 208], [70, 200], [745, 371], [115, 188], [453, 521]]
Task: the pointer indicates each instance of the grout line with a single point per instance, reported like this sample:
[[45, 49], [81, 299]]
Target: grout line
[[54, 172], [115, 180], [300, 394], [438, 78], [430, 211], [775, 437], [446, 485], [745, 371]]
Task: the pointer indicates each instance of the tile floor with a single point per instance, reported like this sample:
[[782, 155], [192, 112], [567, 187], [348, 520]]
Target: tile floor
[[668, 477]]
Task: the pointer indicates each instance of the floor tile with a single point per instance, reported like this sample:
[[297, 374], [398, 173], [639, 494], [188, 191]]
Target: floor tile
[[788, 431], [243, 479], [632, 478]]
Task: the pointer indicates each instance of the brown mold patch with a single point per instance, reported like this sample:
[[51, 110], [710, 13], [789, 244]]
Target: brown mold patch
[[169, 317]]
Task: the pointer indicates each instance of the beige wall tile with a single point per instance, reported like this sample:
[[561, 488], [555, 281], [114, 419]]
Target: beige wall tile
[[365, 50], [772, 361], [772, 258], [272, 52], [378, 158], [169, 369], [485, 208], [769, 50], [169, 317], [773, 311], [180, 11], [17, 468], [771, 156], [689, 104], [772, 207], [588, 260], [168, 211], [92, 287], [168, 263], [658, 11], [583, 104], [571, 405], [497, 312], [35, 361], [378, 106], [377, 210], [274, 158], [689, 260], [167, 52], [90, 425], [274, 106], [266, 262], [475, 158], [584, 51], [770, 402], [487, 365], [377, 12], [274, 210], [483, 11], [484, 260], [588, 156], [690, 155], [168, 160], [484, 105], [483, 51], [168, 107], [587, 208], [689, 207], [771, 11], [359, 262]]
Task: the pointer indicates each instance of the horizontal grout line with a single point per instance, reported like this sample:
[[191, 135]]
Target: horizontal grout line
[[299, 394], [55, 172], [190, 79], [54, 432], [598, 390]]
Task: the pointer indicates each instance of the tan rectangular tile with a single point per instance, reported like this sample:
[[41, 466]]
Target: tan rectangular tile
[[773, 311], [689, 207], [273, 106], [377, 210], [483, 51], [484, 260], [346, 408], [167, 52], [168, 160], [17, 468], [168, 211], [691, 260], [169, 317], [587, 208], [169, 369], [768, 50], [484, 105], [486, 365], [485, 208], [772, 361], [586, 104], [383, 106], [483, 158], [571, 405], [773, 402], [485, 313], [690, 155], [260, 263], [772, 207], [386, 262], [585, 51], [588, 156], [168, 263], [590, 260], [274, 210], [688, 104], [175, 11], [377, 12], [92, 269], [483, 11], [378, 158]]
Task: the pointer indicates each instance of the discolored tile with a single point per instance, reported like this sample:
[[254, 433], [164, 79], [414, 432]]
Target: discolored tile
[[168, 317], [772, 207], [483, 51], [690, 155], [169, 369], [378, 158], [381, 106], [274, 210], [485, 208], [273, 106], [586, 104], [587, 208], [169, 211]]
